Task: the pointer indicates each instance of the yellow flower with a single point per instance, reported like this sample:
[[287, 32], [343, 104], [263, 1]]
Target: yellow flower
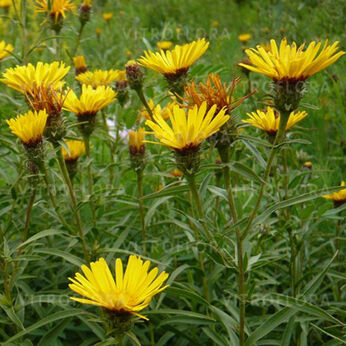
[[98, 31], [136, 141], [80, 64], [99, 77], [188, 128], [177, 61], [29, 127], [269, 120], [164, 45], [91, 100], [307, 164], [176, 173], [164, 111], [5, 3], [244, 37], [338, 197], [28, 77], [214, 24], [129, 293], [87, 2], [5, 49], [75, 150], [290, 62], [107, 16], [55, 8]]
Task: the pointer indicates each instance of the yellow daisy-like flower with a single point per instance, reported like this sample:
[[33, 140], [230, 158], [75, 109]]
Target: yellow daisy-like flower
[[136, 141], [338, 197], [75, 150], [5, 50], [174, 62], [29, 77], [80, 64], [188, 128], [29, 127], [107, 16], [55, 8], [5, 3], [270, 119], [292, 63], [244, 37], [129, 293], [164, 45], [100, 77], [90, 102]]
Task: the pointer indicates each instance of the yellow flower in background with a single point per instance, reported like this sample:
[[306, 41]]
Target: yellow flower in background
[[244, 37], [188, 128], [177, 61], [75, 150], [100, 77], [91, 100], [164, 45], [29, 127], [28, 77], [307, 164], [129, 293], [55, 8], [87, 2], [270, 119], [107, 16], [338, 197], [98, 31], [5, 3], [214, 24], [136, 140], [289, 62], [164, 111], [176, 173], [80, 64], [5, 49]]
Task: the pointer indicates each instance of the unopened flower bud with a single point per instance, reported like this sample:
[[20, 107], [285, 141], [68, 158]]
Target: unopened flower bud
[[134, 75]]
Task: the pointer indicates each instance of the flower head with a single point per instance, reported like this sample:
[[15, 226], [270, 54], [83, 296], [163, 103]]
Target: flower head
[[338, 197], [176, 173], [29, 127], [129, 293], [292, 63], [5, 3], [164, 45], [213, 92], [244, 37], [177, 61], [55, 8], [188, 128], [75, 150], [100, 77], [5, 50], [270, 119], [80, 64], [107, 16], [28, 77], [91, 100], [136, 141]]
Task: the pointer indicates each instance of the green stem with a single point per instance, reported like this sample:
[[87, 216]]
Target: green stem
[[52, 198], [278, 139], [111, 146], [241, 273], [141, 208], [144, 101], [91, 179], [194, 192], [293, 265], [78, 39], [68, 182]]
